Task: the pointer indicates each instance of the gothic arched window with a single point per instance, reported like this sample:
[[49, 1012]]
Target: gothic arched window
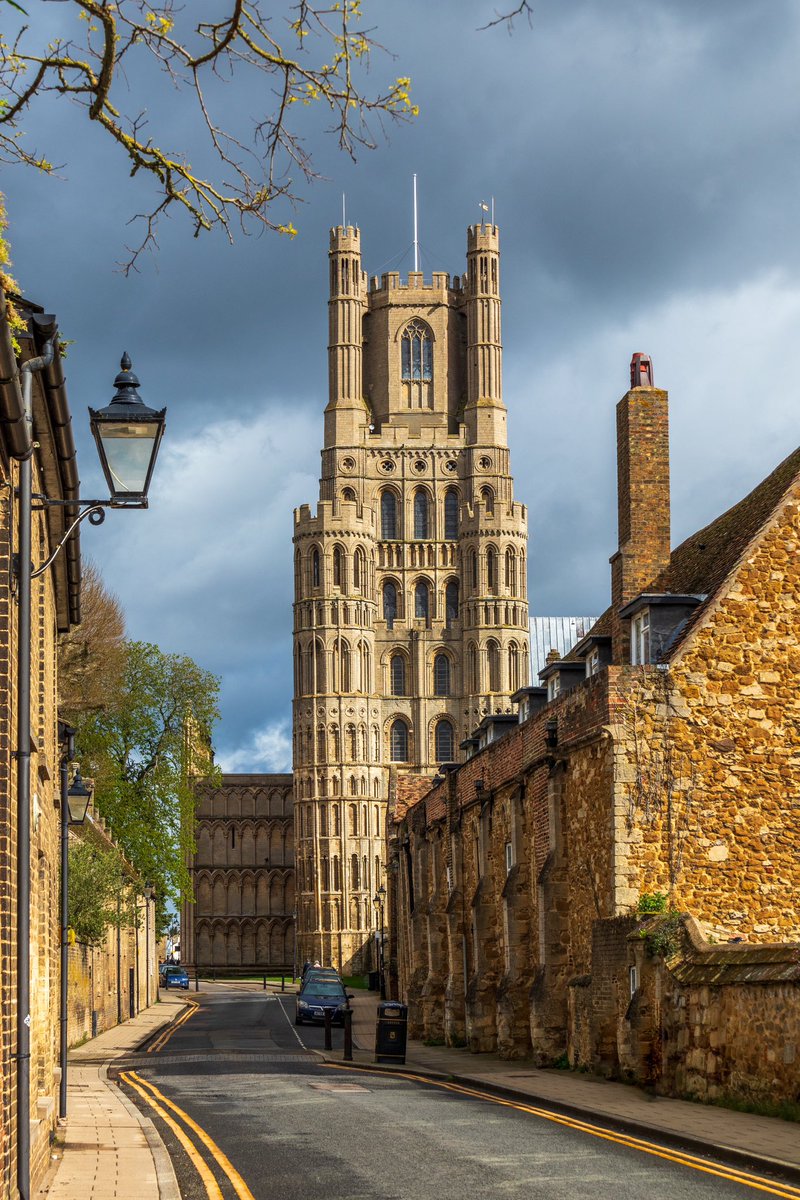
[[389, 603], [344, 658], [451, 601], [487, 496], [388, 515], [491, 569], [445, 741], [422, 600], [416, 353], [397, 670], [493, 654], [441, 675], [511, 571], [472, 665], [315, 567], [338, 567], [451, 515], [473, 570], [513, 667], [422, 523], [359, 571], [398, 741]]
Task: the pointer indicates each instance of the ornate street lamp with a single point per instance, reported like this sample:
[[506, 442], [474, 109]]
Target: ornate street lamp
[[149, 894], [75, 800], [379, 901], [79, 797], [128, 435]]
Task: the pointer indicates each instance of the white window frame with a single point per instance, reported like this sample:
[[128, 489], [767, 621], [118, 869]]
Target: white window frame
[[554, 686], [640, 638], [593, 662], [509, 857], [633, 980]]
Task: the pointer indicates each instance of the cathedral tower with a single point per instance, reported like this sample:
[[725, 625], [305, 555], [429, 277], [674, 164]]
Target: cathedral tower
[[411, 618]]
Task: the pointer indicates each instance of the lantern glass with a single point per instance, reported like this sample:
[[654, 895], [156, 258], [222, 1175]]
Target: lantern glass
[[79, 797], [127, 453]]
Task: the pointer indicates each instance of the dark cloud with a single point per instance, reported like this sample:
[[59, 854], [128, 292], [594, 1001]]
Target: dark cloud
[[644, 163]]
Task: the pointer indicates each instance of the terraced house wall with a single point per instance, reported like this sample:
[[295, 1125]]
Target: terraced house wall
[[715, 737]]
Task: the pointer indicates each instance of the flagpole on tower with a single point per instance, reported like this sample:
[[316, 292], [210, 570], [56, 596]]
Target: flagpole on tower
[[416, 232]]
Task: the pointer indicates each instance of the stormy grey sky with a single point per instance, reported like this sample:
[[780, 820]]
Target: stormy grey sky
[[644, 162]]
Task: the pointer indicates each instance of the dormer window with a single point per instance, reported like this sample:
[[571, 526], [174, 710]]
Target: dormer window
[[417, 353], [593, 663], [554, 686], [640, 638]]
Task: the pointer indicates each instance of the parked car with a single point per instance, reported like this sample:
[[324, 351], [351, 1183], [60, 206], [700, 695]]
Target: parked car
[[175, 977], [320, 973], [318, 994]]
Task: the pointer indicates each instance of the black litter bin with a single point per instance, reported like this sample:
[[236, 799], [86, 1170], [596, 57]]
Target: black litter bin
[[390, 1032]]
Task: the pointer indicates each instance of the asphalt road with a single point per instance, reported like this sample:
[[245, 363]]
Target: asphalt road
[[294, 1129]]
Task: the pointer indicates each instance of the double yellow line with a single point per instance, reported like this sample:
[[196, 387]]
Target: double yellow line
[[159, 1103], [164, 1037], [758, 1182]]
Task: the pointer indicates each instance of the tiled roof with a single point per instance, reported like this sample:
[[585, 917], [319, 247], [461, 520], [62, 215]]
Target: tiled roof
[[410, 790], [701, 564]]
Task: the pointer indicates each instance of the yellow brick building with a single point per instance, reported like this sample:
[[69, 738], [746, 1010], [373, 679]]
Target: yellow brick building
[[411, 616]]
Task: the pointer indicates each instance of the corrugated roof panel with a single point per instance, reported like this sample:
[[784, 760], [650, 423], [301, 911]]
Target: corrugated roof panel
[[555, 633]]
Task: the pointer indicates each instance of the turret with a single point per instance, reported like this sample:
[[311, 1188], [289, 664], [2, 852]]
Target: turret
[[485, 414], [346, 413]]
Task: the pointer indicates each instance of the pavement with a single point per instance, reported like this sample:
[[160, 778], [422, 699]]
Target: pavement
[[112, 1152]]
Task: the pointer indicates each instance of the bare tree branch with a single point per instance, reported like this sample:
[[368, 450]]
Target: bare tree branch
[[524, 7], [313, 55]]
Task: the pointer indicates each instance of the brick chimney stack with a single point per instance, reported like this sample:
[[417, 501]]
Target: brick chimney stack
[[642, 495]]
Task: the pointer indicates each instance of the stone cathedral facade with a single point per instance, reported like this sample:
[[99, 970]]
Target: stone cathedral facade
[[411, 616]]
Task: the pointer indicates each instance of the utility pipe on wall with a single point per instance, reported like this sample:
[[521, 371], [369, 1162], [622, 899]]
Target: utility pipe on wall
[[23, 757]]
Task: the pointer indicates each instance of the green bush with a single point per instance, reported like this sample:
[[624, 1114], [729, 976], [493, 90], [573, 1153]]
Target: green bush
[[652, 902]]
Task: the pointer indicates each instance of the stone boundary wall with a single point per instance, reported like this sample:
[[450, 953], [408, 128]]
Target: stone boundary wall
[[92, 979], [708, 1022]]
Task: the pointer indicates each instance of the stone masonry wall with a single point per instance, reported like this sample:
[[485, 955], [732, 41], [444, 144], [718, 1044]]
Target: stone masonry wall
[[716, 739]]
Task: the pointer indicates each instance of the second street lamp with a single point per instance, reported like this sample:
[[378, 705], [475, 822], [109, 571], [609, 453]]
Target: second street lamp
[[75, 800], [380, 901]]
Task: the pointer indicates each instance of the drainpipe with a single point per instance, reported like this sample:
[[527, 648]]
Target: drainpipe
[[66, 758], [23, 756]]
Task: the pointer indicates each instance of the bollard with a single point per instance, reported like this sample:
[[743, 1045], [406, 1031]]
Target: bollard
[[348, 1035], [94, 1022], [283, 982], [328, 1028], [196, 980], [265, 983]]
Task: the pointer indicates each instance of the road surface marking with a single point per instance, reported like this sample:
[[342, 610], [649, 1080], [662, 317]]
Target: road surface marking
[[758, 1182], [164, 1037], [291, 1024], [209, 1182], [222, 1160]]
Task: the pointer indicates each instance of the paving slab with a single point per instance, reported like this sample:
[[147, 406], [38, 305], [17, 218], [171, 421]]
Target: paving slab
[[110, 1151]]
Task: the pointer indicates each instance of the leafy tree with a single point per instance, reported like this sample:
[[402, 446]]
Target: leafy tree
[[307, 55], [100, 892], [144, 750]]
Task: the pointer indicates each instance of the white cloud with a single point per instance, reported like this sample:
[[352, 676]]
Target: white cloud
[[268, 749]]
